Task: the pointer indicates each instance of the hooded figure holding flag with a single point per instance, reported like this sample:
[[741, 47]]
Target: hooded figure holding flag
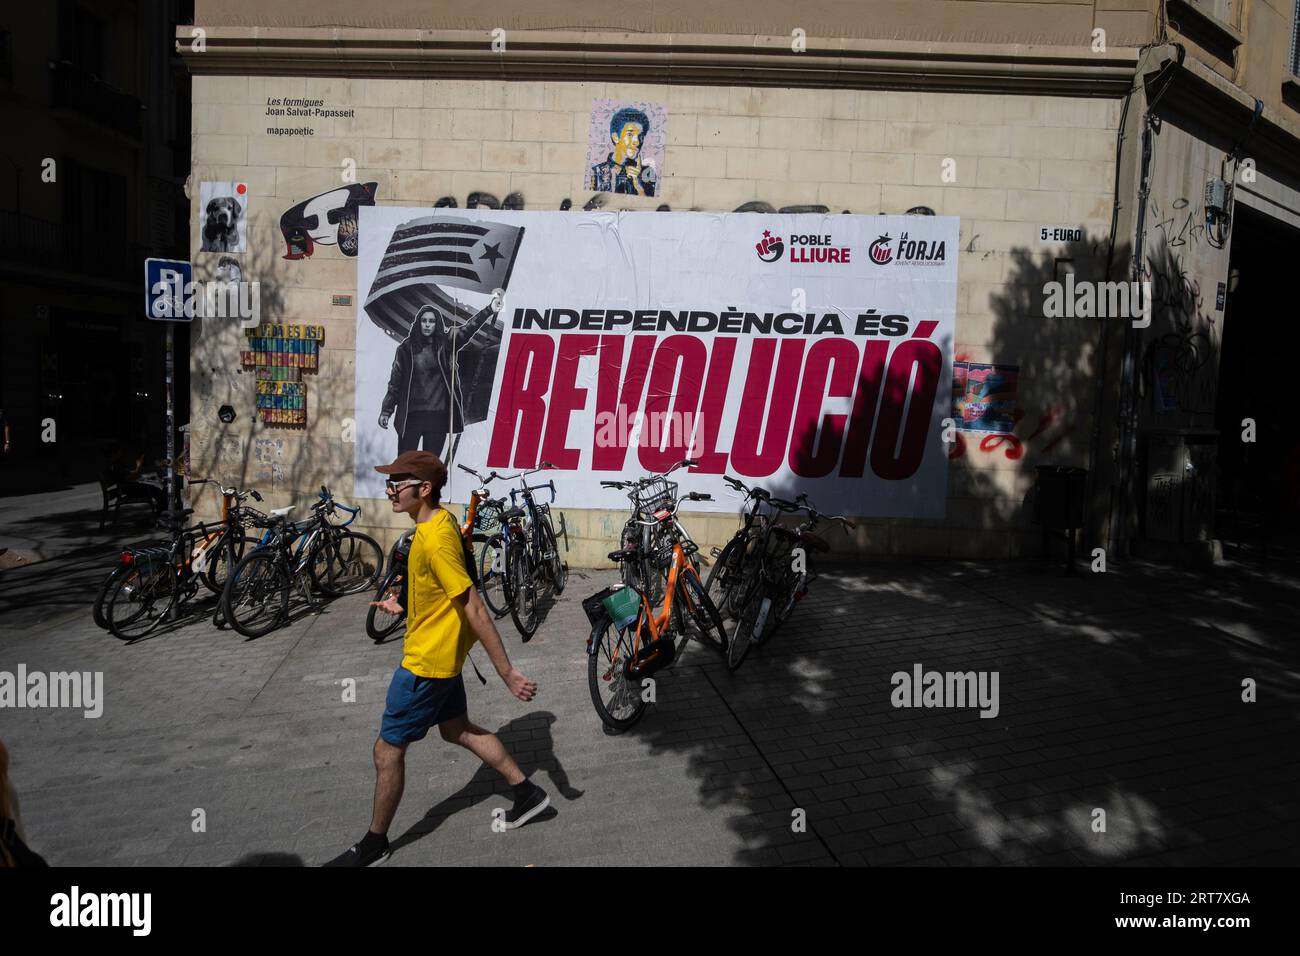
[[446, 358], [427, 385]]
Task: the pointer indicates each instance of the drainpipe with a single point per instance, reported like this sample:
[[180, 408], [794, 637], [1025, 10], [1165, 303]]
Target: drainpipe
[[1119, 532]]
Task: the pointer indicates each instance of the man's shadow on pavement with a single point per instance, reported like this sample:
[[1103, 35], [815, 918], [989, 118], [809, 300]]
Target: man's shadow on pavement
[[533, 751]]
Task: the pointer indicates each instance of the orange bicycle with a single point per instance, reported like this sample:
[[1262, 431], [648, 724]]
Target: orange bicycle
[[630, 640]]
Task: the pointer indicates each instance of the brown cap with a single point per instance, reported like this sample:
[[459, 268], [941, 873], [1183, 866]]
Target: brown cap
[[424, 465]]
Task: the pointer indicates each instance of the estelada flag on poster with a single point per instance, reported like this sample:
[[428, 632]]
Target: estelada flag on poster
[[800, 352]]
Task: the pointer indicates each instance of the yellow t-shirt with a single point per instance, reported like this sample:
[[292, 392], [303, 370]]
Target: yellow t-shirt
[[437, 635]]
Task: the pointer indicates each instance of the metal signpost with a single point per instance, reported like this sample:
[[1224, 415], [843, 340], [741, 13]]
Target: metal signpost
[[166, 300]]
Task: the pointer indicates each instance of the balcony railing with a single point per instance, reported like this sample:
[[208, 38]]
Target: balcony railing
[[75, 89], [26, 240]]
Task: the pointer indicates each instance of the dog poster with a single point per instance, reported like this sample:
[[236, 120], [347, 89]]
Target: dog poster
[[223, 217], [625, 147]]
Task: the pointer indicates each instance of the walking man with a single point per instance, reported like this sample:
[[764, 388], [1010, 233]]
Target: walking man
[[446, 616]]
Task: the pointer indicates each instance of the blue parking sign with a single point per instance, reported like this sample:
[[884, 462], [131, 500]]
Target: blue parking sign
[[165, 295]]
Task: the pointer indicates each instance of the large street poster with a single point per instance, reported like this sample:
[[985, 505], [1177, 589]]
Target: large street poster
[[800, 352]]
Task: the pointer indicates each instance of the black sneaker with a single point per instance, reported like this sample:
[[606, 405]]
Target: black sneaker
[[355, 856], [527, 806]]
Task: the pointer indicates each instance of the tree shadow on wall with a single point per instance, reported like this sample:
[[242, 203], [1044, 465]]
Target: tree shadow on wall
[[286, 463]]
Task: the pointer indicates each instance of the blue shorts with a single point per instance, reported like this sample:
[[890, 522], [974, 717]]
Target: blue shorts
[[417, 703]]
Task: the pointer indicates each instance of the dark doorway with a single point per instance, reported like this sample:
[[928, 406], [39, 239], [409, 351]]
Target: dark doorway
[[1259, 482]]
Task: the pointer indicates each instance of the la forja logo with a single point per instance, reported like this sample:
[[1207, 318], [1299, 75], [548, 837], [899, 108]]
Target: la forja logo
[[770, 249], [912, 252], [881, 252]]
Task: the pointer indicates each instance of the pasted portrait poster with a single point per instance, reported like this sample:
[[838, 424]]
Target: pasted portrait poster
[[626, 142], [984, 397], [772, 348]]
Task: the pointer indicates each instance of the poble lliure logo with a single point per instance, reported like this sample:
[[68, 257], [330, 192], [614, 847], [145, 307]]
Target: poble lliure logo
[[770, 247]]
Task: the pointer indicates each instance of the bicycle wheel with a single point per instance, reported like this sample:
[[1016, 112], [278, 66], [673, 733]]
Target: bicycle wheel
[[556, 569], [138, 601], [617, 699], [101, 599], [256, 597], [784, 589], [742, 638], [227, 555], [792, 583], [353, 563], [523, 584], [725, 577], [491, 561], [507, 578], [701, 611], [379, 623]]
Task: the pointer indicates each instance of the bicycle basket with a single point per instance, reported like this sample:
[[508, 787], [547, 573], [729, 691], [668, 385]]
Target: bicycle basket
[[655, 495], [594, 609], [488, 517], [616, 603]]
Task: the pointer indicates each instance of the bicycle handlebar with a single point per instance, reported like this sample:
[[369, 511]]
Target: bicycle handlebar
[[545, 466], [689, 496], [641, 482], [549, 486], [470, 471], [232, 491]]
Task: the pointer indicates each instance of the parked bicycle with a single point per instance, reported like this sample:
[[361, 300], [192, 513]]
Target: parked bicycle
[[729, 576], [775, 575], [484, 534], [151, 584], [643, 537], [532, 553], [333, 559], [630, 640]]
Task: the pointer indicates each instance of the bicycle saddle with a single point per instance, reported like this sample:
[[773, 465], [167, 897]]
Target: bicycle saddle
[[624, 555], [512, 513], [282, 512]]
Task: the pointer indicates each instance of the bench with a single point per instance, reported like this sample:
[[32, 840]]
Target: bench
[[115, 496]]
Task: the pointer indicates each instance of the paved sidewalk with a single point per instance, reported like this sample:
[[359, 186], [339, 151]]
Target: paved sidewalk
[[1119, 692]]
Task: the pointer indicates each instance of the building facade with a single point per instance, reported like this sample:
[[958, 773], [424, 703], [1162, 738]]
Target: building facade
[[93, 172], [1129, 141]]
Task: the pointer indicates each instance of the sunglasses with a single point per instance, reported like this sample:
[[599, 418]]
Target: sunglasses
[[395, 487]]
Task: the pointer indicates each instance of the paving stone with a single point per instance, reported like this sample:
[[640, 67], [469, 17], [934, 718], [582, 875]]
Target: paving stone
[[256, 734]]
